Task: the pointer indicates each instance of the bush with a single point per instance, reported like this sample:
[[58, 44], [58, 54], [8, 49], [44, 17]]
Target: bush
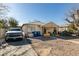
[[66, 33]]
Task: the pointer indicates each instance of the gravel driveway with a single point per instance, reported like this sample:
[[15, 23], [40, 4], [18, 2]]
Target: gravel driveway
[[17, 48], [37, 47]]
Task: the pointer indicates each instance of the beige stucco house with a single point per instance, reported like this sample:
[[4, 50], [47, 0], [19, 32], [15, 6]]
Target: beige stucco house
[[28, 28], [63, 27]]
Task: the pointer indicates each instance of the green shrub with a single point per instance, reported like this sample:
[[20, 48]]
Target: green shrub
[[66, 33]]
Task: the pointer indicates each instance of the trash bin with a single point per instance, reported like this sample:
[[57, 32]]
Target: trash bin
[[34, 34], [38, 33]]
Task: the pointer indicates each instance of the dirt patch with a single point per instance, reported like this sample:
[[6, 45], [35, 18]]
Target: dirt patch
[[41, 48], [64, 48], [56, 48]]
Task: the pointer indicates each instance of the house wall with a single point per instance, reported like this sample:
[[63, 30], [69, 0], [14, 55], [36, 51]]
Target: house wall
[[51, 29], [62, 29], [51, 26], [29, 28]]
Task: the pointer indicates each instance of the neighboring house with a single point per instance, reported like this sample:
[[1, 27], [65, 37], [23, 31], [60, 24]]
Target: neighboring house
[[63, 28], [28, 28]]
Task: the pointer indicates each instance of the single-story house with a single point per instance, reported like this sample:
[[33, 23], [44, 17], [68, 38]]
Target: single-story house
[[28, 28], [63, 27]]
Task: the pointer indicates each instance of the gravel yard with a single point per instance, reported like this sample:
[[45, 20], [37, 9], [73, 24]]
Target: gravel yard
[[36, 47], [56, 48]]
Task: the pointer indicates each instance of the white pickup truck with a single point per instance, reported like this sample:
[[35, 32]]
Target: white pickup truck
[[14, 34]]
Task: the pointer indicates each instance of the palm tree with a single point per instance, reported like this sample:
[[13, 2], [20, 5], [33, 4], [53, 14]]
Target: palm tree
[[13, 22]]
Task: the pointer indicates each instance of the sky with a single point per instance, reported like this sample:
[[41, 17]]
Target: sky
[[44, 12]]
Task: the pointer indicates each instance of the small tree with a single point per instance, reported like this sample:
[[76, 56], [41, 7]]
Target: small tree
[[3, 23], [74, 20], [3, 27], [3, 11], [13, 22], [72, 28]]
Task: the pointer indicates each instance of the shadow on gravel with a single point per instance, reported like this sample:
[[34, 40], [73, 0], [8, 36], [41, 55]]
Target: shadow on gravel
[[19, 42], [45, 38], [70, 37]]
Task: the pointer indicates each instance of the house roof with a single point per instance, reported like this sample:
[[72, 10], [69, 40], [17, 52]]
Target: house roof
[[51, 24], [37, 23], [34, 23]]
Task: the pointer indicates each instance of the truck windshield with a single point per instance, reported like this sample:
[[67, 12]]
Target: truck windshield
[[15, 30]]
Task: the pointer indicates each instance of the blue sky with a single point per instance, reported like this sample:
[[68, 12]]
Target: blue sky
[[44, 12]]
